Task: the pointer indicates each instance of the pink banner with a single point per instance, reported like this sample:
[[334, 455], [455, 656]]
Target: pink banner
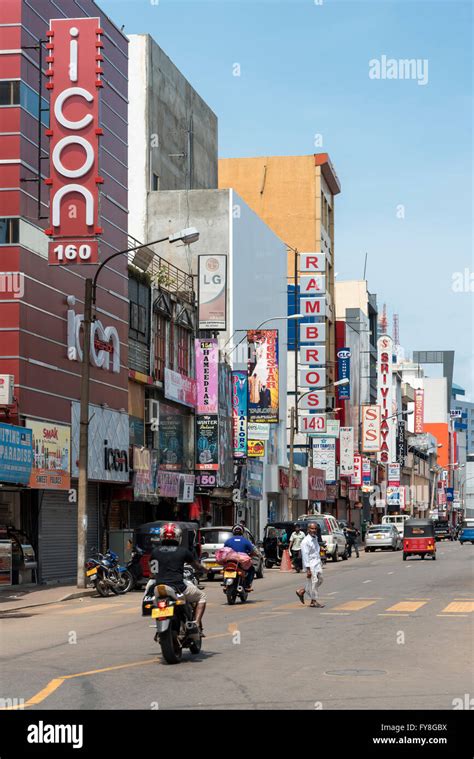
[[419, 411], [180, 388], [207, 359]]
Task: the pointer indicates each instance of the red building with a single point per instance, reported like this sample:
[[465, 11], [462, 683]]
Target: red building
[[39, 343]]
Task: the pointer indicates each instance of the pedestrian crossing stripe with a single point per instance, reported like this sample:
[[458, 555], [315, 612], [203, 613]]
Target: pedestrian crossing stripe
[[459, 607], [354, 605], [407, 606]]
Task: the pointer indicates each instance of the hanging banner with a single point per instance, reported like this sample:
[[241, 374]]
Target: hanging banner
[[256, 448], [74, 81], [324, 457], [393, 475], [207, 360], [263, 401], [207, 442], [366, 472], [344, 372], [385, 398], [370, 429], [419, 411], [346, 451], [239, 413], [212, 275], [401, 443], [356, 478], [51, 456]]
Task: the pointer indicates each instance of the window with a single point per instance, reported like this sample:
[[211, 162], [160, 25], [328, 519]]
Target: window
[[183, 350], [9, 231], [19, 93], [9, 93], [160, 347], [155, 184]]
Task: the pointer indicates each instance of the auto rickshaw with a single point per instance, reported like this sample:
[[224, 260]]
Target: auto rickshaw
[[147, 534], [419, 538]]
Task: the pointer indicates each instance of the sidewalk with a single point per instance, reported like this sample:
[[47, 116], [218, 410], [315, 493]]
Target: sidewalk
[[17, 597]]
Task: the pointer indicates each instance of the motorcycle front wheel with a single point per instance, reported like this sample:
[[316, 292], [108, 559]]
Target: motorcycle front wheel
[[102, 588], [231, 594], [170, 646], [125, 583], [195, 646]]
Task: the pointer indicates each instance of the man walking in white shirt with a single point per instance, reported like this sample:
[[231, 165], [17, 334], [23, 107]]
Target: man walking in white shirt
[[312, 564]]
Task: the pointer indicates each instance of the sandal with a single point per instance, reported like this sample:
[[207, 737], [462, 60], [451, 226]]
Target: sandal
[[316, 605], [301, 597]]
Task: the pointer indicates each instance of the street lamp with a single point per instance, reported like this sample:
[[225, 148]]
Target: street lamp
[[187, 236], [273, 319]]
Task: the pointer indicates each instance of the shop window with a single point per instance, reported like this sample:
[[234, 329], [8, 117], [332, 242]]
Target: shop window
[[9, 231]]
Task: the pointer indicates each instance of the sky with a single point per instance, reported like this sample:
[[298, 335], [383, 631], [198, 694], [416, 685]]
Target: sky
[[312, 79]]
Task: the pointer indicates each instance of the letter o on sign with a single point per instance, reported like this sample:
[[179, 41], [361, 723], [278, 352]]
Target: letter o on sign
[[312, 377], [73, 140]]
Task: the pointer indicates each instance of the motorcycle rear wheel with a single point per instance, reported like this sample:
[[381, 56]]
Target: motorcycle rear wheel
[[170, 646], [195, 646], [102, 588], [231, 594], [125, 583]]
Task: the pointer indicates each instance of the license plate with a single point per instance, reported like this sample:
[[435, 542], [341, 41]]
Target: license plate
[[91, 572], [230, 574], [378, 537], [211, 564], [160, 613]]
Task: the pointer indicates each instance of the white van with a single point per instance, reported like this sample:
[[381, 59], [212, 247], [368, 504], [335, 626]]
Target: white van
[[398, 520]]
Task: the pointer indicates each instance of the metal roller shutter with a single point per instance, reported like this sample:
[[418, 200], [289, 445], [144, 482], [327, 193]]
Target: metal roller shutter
[[58, 533]]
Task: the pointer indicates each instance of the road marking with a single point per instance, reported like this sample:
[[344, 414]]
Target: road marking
[[354, 605], [336, 613], [393, 615], [458, 607], [452, 616], [87, 610], [372, 598], [390, 573], [366, 581], [407, 606], [333, 593]]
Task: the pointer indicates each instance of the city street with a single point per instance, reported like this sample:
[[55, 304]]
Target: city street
[[392, 635]]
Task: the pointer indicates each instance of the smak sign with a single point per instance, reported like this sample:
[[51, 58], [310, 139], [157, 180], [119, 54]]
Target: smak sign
[[74, 81]]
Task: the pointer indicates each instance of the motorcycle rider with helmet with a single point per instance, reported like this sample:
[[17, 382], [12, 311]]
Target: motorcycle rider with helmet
[[238, 542], [167, 562]]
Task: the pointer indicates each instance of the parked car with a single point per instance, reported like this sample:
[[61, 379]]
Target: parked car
[[443, 530], [466, 534], [213, 538], [383, 536], [331, 533]]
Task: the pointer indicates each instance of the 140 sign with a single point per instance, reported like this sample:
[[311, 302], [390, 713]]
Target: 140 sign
[[74, 80]]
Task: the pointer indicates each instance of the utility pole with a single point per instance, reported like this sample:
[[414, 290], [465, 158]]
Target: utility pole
[[84, 439], [291, 464]]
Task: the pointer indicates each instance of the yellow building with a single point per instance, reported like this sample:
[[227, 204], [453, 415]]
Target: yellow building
[[294, 195]]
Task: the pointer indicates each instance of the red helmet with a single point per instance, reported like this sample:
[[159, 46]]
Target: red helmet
[[170, 532]]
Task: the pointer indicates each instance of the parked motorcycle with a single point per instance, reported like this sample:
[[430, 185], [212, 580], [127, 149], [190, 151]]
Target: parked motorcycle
[[234, 582], [123, 575], [134, 566], [100, 576], [175, 627]]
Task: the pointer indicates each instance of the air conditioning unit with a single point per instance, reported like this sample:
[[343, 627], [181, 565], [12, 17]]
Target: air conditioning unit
[[152, 411]]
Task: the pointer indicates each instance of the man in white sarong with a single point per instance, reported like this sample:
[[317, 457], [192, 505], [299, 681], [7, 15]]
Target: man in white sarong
[[311, 562]]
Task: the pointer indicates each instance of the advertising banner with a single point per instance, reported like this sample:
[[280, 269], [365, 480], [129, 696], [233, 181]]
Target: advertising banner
[[356, 478], [344, 372], [145, 474], [109, 440], [172, 428], [16, 454], [366, 472], [254, 479], [324, 457], [186, 488], [370, 429], [239, 413], [256, 448], [74, 81], [212, 274], [180, 389], [401, 443], [385, 398], [207, 442], [394, 498], [263, 402], [258, 431], [168, 484], [7, 387], [316, 484], [225, 477], [207, 361], [284, 480], [393, 477], [419, 410], [51, 456], [346, 451]]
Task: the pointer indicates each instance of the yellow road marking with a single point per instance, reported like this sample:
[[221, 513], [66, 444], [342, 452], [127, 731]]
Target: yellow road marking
[[354, 605], [407, 606], [457, 607], [86, 610]]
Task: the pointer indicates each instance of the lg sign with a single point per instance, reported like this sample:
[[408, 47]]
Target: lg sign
[[74, 75]]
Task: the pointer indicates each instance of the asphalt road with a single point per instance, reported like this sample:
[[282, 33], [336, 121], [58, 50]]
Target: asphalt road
[[392, 635]]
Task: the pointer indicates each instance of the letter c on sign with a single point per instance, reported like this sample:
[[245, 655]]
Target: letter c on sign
[[73, 140], [58, 108]]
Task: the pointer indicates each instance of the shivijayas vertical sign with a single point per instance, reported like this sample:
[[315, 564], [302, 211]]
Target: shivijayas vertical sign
[[74, 81]]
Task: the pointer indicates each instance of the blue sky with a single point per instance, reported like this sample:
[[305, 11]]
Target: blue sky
[[304, 70]]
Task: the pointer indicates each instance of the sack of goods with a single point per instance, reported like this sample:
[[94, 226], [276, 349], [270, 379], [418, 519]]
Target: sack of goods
[[223, 555]]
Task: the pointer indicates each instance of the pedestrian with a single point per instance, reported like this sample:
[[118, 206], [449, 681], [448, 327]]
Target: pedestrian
[[294, 546], [352, 535], [311, 560]]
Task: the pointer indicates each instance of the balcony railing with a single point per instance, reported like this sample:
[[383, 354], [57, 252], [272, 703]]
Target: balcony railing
[[161, 273]]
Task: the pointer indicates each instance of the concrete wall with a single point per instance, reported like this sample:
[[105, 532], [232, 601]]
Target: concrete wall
[[351, 294], [435, 399]]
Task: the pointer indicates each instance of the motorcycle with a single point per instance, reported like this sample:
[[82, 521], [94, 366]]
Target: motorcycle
[[234, 582], [175, 626], [100, 576], [122, 575], [134, 566]]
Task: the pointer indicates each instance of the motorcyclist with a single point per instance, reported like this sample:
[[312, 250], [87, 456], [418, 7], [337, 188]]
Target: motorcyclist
[[167, 562], [238, 542]]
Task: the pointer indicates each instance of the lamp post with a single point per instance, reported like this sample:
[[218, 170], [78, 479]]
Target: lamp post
[[272, 319], [187, 236]]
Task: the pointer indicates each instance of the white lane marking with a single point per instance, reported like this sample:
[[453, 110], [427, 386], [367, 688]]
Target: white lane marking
[[366, 581], [390, 573]]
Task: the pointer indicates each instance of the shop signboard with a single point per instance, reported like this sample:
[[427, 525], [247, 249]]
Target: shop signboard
[[254, 479], [16, 454], [239, 413], [316, 484], [401, 443], [51, 456], [385, 399], [207, 361], [212, 276], [370, 429], [256, 448], [324, 457], [344, 372], [180, 389], [259, 431], [309, 424], [419, 410], [356, 478], [393, 475], [109, 437], [186, 488], [346, 451], [207, 442], [7, 384], [366, 472], [263, 376]]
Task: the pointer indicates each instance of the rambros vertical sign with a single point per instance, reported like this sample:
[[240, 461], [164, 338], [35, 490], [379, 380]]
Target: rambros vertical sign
[[74, 80]]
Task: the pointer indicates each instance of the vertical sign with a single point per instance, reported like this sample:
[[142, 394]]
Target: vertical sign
[[401, 443], [324, 457], [239, 413], [346, 448], [212, 275], [207, 359], [394, 475], [419, 411], [74, 80], [263, 400], [385, 398], [343, 372], [366, 474], [370, 429], [356, 478]]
